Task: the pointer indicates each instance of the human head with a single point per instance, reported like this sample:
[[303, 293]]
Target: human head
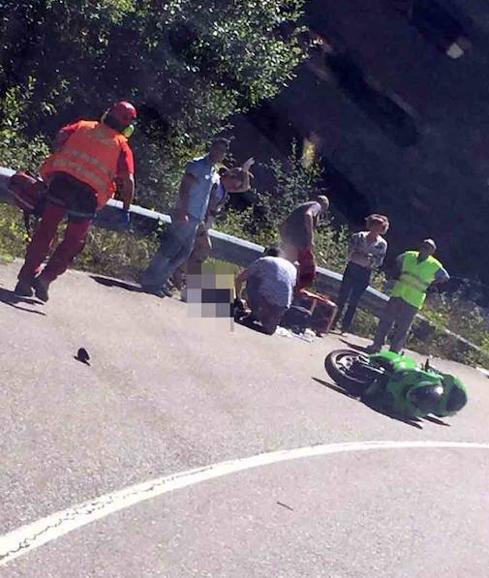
[[321, 198], [121, 116], [427, 248], [218, 150], [233, 179], [273, 251], [377, 224]]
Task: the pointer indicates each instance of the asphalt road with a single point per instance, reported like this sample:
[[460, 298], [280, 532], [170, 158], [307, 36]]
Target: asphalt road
[[165, 393]]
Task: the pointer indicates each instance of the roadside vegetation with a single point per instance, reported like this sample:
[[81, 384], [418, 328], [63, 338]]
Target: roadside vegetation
[[187, 76]]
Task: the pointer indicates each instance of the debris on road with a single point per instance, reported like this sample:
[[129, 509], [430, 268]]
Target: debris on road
[[83, 356]]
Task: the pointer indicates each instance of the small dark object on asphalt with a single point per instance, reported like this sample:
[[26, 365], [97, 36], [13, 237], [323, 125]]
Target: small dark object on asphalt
[[285, 506], [82, 355]]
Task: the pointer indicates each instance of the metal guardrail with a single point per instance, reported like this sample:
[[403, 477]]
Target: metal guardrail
[[240, 252]]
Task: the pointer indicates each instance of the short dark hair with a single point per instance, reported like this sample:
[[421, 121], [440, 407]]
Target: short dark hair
[[273, 251], [376, 219], [220, 140]]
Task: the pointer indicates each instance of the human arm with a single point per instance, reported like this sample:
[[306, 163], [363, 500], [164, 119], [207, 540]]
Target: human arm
[[217, 198], [441, 276], [354, 246], [64, 134], [309, 227], [246, 180], [396, 270], [377, 256], [125, 177], [186, 184], [126, 190], [239, 281], [309, 216]]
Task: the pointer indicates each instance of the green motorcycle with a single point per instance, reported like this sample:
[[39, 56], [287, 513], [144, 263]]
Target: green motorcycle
[[396, 383]]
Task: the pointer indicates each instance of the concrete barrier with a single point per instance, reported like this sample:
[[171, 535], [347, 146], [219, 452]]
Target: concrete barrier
[[240, 252]]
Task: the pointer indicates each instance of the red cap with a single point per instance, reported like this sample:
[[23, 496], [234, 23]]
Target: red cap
[[123, 112]]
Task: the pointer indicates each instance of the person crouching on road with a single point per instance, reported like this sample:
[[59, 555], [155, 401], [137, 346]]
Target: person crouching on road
[[270, 283], [366, 252], [416, 272], [90, 157], [297, 237]]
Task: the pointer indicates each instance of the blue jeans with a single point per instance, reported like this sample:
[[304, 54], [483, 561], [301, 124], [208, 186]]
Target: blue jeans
[[175, 249]]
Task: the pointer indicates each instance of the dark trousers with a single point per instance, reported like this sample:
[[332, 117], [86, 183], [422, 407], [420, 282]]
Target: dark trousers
[[70, 198], [400, 315], [268, 314], [355, 281]]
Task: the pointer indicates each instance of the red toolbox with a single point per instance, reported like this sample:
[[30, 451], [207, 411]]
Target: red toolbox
[[322, 308]]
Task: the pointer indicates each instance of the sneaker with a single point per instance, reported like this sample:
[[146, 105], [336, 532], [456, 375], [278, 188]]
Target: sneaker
[[24, 289], [41, 288], [157, 291], [167, 290]]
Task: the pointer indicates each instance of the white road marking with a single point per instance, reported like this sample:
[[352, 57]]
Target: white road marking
[[21, 541]]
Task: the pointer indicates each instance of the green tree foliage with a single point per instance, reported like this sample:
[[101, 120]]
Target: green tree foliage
[[188, 65], [294, 183]]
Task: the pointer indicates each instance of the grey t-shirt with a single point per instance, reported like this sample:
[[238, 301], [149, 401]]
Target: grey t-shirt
[[294, 229], [276, 279]]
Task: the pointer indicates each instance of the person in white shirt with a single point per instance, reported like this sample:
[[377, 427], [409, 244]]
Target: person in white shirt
[[270, 283], [366, 252]]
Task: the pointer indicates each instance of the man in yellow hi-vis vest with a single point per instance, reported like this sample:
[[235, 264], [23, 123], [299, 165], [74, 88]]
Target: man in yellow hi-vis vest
[[418, 270]]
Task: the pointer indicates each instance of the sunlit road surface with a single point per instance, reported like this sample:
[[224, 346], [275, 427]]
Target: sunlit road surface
[[166, 394]]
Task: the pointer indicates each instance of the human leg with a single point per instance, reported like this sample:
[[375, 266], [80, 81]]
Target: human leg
[[307, 269], [175, 248], [270, 316], [344, 294], [386, 321], [404, 320], [41, 242], [72, 244], [359, 282]]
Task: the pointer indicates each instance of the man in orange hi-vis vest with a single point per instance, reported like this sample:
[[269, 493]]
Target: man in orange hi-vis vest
[[90, 157]]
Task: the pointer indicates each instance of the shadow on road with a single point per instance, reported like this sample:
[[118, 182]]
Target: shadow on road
[[436, 420], [414, 422], [108, 282], [12, 300], [354, 345], [251, 324]]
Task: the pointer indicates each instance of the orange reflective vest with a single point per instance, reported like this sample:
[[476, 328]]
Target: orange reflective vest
[[90, 155]]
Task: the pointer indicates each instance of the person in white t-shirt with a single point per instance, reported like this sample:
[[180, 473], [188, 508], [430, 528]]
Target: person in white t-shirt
[[270, 283], [366, 252]]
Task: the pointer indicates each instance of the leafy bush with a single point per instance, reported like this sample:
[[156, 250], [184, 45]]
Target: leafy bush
[[122, 255], [16, 149], [187, 66], [12, 234]]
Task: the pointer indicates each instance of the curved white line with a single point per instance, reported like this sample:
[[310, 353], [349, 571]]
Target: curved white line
[[21, 541]]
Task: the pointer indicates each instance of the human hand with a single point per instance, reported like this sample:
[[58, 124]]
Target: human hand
[[248, 164], [123, 219], [182, 216]]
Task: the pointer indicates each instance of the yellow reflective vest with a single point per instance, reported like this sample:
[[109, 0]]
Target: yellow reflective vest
[[416, 277]]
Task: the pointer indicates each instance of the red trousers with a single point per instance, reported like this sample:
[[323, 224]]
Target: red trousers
[[40, 245], [307, 269]]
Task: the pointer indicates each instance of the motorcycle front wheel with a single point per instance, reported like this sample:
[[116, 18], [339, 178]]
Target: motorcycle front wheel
[[339, 366]]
